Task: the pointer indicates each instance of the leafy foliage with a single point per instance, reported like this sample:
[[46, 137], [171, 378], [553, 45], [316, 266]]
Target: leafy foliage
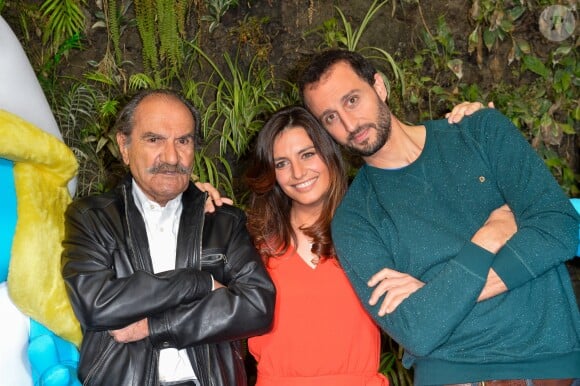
[[494, 22], [170, 42], [538, 91], [64, 19], [348, 37], [240, 101], [145, 12], [91, 141], [391, 363], [113, 26], [217, 9], [236, 95]]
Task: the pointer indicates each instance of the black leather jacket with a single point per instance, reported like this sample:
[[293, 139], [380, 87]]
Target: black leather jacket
[[108, 272]]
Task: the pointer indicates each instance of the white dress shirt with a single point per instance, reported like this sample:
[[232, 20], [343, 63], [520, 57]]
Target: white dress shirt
[[162, 224]]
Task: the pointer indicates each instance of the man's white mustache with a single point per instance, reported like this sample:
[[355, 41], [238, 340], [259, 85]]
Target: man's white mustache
[[167, 168]]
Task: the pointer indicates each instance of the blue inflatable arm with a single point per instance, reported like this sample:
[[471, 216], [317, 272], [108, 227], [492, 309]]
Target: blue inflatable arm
[[576, 203], [54, 361], [7, 215]]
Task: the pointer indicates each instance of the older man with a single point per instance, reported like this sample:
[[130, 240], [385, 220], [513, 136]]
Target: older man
[[163, 290], [426, 234]]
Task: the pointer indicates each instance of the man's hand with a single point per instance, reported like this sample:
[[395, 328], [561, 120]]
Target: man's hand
[[494, 286], [499, 227], [131, 333], [395, 285], [463, 109], [214, 199]]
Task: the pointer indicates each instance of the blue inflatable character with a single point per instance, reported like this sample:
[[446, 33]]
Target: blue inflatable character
[[39, 334], [576, 203]]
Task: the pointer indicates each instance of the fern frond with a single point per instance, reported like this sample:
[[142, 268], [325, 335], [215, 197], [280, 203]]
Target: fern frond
[[100, 77], [170, 48], [182, 8], [111, 11], [145, 17], [65, 19], [140, 81]]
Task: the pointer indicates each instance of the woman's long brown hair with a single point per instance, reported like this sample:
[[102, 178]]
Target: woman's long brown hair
[[269, 208]]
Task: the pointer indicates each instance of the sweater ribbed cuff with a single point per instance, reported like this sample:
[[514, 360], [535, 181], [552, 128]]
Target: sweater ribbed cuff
[[475, 259]]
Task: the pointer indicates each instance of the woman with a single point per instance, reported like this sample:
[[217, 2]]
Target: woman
[[321, 333]]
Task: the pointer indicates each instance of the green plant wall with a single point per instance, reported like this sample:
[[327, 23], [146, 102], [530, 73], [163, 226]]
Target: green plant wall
[[235, 61]]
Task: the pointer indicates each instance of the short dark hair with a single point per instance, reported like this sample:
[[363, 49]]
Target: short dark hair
[[125, 119], [321, 62]]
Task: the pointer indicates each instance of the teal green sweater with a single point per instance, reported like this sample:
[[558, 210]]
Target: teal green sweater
[[420, 219]]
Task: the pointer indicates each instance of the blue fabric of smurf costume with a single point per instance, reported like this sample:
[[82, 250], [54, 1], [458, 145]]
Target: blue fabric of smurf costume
[[38, 333]]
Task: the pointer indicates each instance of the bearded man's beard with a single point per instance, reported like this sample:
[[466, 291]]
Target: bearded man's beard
[[382, 128]]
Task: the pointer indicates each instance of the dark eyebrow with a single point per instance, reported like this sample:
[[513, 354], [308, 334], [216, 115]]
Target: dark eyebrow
[[311, 147], [149, 134], [301, 151], [278, 159], [188, 136]]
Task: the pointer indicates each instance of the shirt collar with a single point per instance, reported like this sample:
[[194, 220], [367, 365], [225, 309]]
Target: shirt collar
[[145, 204]]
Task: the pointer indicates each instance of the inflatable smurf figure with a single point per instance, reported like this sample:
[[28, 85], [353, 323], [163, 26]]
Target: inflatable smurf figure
[[39, 332]]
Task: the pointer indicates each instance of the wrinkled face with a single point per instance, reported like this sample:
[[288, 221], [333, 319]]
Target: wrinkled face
[[300, 171], [159, 152], [350, 109]]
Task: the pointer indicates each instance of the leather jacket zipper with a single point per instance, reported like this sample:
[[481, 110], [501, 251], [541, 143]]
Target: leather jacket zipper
[[198, 266], [131, 239], [97, 366]]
